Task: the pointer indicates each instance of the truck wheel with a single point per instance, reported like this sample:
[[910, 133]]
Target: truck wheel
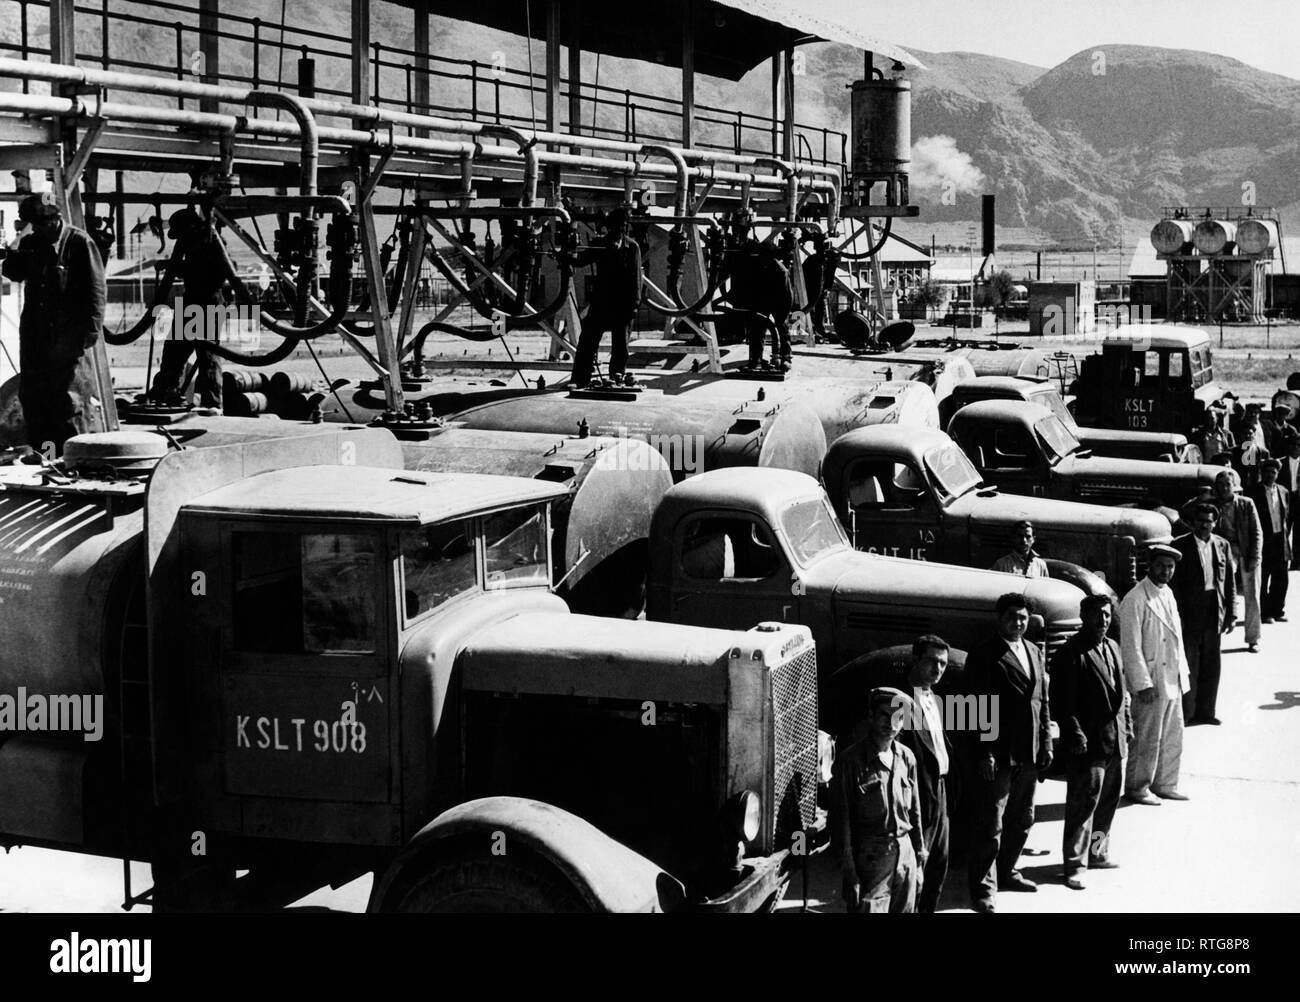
[[490, 885]]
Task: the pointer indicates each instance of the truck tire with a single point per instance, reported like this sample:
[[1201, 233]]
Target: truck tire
[[488, 885]]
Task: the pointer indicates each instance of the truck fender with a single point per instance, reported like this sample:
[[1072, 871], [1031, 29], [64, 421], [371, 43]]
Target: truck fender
[[844, 702], [1085, 580], [605, 874]]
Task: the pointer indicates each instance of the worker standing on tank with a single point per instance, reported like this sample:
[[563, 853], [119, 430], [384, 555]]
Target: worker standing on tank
[[758, 283], [205, 270], [614, 300], [63, 316]]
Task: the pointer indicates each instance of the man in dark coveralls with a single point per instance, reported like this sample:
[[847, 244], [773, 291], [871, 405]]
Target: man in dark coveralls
[[876, 811], [63, 315], [615, 297], [1090, 702], [205, 269]]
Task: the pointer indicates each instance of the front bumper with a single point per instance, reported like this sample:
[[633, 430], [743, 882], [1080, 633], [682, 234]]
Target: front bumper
[[764, 876]]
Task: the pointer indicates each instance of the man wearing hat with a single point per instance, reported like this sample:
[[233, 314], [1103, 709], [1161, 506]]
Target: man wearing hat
[[1006, 670], [1204, 588], [1274, 508], [63, 315], [1275, 428], [876, 810], [205, 269], [615, 298], [1155, 668]]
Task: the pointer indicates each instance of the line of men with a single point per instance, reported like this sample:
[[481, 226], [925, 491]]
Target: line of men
[[1120, 708]]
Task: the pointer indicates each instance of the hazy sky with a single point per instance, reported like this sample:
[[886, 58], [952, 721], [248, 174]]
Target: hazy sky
[[1262, 33]]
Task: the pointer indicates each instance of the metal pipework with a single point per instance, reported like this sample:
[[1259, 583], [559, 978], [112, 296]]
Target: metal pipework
[[527, 149], [60, 73], [306, 127], [486, 212], [680, 204]]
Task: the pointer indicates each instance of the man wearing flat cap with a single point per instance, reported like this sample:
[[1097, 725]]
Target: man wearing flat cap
[[876, 810], [63, 316], [1274, 508], [1155, 668]]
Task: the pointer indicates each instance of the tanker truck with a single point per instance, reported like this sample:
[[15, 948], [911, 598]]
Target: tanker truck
[[295, 657]]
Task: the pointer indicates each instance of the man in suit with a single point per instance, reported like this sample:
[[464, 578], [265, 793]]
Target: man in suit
[[1204, 589], [1275, 429], [1274, 508], [1289, 478], [1239, 525], [1090, 704], [1155, 669], [929, 744], [1008, 671]]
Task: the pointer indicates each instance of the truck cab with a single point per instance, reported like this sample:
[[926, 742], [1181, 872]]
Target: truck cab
[[1148, 377], [1023, 448], [1119, 443], [316, 664], [911, 492], [728, 547]]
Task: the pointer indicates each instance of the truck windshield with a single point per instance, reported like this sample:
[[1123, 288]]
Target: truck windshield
[[515, 547], [812, 529], [1053, 402], [952, 472], [1056, 437]]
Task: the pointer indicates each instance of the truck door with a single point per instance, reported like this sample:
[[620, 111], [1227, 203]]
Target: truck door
[[1008, 457], [1143, 391], [729, 571], [891, 510], [303, 660]]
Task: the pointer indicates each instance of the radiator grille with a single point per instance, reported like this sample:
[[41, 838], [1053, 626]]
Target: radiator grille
[[794, 741]]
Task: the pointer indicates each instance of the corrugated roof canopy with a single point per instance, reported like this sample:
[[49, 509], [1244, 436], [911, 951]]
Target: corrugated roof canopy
[[731, 37]]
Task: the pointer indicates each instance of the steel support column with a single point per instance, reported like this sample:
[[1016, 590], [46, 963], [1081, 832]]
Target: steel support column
[[688, 73], [361, 55], [787, 101], [552, 66], [209, 48], [421, 88], [385, 347], [574, 18]]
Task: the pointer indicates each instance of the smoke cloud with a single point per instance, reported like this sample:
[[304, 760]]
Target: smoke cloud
[[938, 166]]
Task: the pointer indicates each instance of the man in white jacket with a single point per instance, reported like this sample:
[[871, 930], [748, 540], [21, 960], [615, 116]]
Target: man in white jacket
[[1155, 668]]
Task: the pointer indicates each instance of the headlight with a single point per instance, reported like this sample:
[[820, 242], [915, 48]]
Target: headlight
[[746, 815]]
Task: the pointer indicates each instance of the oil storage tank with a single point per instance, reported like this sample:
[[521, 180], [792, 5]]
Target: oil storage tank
[[693, 437], [1257, 237], [1173, 236], [1215, 236], [601, 528]]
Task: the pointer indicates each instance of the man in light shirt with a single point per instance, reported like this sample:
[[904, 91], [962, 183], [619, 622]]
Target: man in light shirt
[[926, 738], [1204, 588], [1022, 559], [1155, 668], [1274, 509]]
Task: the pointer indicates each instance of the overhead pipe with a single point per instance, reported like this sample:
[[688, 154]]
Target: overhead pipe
[[59, 73]]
